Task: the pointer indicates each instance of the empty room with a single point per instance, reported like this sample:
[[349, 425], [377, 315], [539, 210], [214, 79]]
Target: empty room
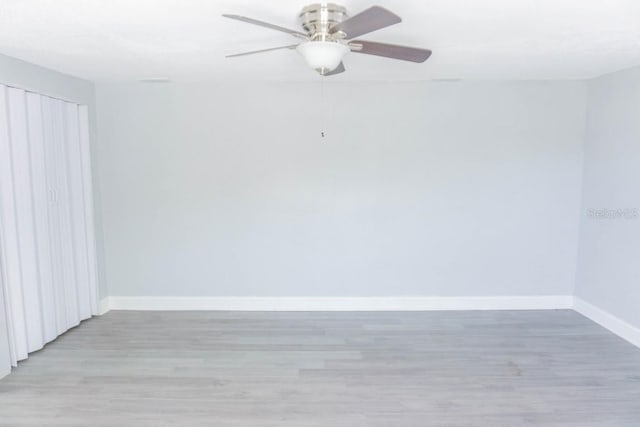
[[278, 213]]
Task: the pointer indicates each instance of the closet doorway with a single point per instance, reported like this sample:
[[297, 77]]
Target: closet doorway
[[47, 247]]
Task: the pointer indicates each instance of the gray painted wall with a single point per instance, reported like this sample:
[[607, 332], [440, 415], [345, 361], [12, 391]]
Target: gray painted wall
[[609, 261], [16, 73], [418, 188]]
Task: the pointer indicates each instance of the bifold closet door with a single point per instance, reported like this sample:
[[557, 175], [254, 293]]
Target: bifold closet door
[[47, 249]]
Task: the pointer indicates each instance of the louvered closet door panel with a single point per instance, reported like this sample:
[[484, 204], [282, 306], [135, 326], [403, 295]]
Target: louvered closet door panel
[[43, 204], [9, 254], [58, 291], [69, 283], [85, 163], [76, 209], [30, 292]]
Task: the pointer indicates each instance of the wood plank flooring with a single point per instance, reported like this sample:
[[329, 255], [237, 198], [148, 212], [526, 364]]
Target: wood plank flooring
[[473, 368]]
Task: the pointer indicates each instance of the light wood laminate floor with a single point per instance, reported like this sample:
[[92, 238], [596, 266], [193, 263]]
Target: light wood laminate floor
[[473, 368]]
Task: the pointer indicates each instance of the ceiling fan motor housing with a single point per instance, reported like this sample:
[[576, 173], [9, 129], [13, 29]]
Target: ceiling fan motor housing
[[318, 18]]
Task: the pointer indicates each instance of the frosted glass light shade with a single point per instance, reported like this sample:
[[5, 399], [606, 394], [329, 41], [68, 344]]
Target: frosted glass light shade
[[323, 55]]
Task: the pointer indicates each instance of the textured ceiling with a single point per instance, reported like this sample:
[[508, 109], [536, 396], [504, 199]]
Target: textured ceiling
[[187, 39]]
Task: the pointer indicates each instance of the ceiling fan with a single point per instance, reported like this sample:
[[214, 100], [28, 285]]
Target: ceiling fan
[[329, 35]]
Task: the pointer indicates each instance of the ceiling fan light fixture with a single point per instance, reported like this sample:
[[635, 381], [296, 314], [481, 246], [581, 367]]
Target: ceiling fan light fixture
[[323, 55]]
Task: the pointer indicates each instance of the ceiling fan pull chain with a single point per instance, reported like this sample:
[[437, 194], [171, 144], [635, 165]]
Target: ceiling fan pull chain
[[323, 108]]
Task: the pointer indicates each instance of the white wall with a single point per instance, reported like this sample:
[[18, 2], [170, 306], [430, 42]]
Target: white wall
[[609, 262], [418, 189]]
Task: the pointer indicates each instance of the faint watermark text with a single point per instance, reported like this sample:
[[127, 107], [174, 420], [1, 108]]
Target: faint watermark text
[[619, 213]]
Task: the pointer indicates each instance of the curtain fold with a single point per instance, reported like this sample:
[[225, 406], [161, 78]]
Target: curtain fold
[[47, 248]]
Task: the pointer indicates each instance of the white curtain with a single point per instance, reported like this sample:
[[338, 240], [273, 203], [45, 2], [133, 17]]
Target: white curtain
[[47, 250]]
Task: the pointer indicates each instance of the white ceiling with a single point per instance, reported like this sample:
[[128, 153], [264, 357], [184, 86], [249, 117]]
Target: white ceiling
[[187, 39]]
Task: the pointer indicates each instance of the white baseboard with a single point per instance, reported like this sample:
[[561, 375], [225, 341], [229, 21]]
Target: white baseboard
[[103, 306], [340, 303], [543, 302], [608, 321]]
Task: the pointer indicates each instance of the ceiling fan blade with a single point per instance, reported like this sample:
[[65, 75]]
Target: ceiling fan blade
[[404, 53], [338, 70], [267, 25], [293, 46], [369, 20]]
